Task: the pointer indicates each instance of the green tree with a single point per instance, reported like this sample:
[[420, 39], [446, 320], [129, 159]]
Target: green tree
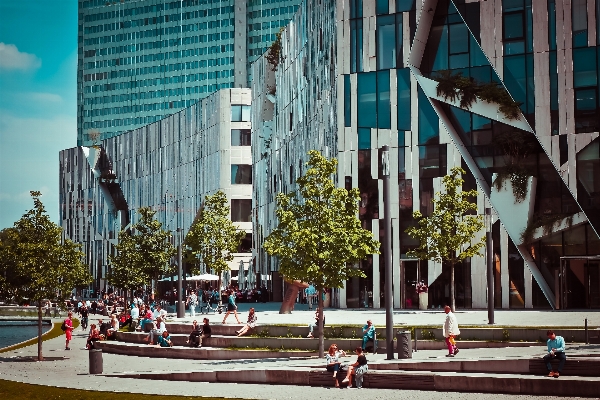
[[37, 264], [144, 254], [126, 265], [319, 238], [213, 238], [447, 234]]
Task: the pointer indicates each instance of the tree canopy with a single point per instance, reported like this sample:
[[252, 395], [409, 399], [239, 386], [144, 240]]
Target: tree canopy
[[143, 253], [36, 264], [213, 238], [447, 234], [319, 238]]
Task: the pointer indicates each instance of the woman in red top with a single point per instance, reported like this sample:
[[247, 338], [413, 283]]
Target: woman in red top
[[69, 330]]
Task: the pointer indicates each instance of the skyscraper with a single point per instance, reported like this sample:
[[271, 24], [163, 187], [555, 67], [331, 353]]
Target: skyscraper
[[141, 60]]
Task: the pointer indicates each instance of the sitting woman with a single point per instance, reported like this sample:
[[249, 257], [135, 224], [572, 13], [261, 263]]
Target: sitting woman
[[333, 361], [158, 330], [358, 369], [164, 340], [194, 338], [114, 327], [93, 337], [250, 324]]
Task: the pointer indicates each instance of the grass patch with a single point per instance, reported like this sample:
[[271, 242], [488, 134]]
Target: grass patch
[[18, 390], [54, 332]]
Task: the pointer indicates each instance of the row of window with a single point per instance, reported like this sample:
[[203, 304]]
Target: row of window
[[171, 30], [166, 18], [153, 8], [162, 56], [213, 62], [267, 25], [254, 3], [271, 12], [268, 38], [257, 52], [159, 44], [153, 94]]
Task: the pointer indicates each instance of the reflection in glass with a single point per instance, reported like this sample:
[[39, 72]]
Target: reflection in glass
[[241, 137], [241, 210], [241, 174]]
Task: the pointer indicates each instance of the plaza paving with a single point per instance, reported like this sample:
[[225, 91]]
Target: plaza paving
[[73, 370]]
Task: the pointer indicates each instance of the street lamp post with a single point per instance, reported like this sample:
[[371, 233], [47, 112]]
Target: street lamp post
[[490, 265], [180, 306], [387, 249]]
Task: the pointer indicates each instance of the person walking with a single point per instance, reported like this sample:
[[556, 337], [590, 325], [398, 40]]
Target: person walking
[[450, 331], [68, 330], [556, 350], [84, 312], [231, 307]]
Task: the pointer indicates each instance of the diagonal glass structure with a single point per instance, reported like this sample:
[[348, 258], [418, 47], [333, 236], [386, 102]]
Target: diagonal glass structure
[[503, 152]]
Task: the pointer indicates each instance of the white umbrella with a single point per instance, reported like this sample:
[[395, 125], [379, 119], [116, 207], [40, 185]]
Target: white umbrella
[[241, 280], [204, 277], [226, 278], [251, 277]]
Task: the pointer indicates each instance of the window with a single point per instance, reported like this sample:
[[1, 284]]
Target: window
[[514, 33], [386, 41], [241, 137], [347, 102], [403, 80], [240, 113], [383, 6], [383, 100], [241, 210], [241, 174], [579, 15], [356, 45], [356, 8], [364, 138], [367, 100], [405, 5]]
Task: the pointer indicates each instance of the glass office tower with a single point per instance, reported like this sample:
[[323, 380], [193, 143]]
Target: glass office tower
[[141, 60], [356, 75]]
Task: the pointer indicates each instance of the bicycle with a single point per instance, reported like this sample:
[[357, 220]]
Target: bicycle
[[208, 307]]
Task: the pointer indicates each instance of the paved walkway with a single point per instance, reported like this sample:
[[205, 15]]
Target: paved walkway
[[72, 370]]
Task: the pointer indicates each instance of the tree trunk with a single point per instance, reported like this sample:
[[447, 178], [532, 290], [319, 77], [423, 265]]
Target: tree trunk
[[219, 288], [289, 298], [40, 356], [452, 297], [321, 327]]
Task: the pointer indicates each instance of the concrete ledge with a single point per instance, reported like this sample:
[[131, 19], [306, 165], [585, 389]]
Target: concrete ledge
[[458, 382], [195, 354], [575, 366], [498, 366]]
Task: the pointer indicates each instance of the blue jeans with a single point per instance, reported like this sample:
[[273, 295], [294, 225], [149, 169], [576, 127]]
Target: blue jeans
[[558, 355], [365, 340]]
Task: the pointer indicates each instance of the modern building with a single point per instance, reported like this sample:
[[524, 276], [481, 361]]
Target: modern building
[[169, 165], [356, 75], [141, 60]]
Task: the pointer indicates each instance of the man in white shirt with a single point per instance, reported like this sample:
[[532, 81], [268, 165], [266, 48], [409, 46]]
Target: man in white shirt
[[192, 301], [450, 331]]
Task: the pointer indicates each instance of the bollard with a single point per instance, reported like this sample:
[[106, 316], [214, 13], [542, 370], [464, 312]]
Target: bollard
[[95, 361], [415, 349], [587, 336], [404, 344]]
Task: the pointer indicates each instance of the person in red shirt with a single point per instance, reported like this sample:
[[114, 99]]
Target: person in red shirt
[[69, 330]]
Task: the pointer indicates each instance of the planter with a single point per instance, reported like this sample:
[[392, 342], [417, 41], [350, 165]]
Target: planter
[[423, 301]]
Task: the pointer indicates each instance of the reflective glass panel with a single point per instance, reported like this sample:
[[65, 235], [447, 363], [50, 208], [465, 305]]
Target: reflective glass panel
[[241, 174], [428, 121], [382, 6], [241, 210], [513, 26], [364, 138], [383, 100], [241, 137], [403, 84], [367, 100], [405, 5], [459, 38], [584, 67], [347, 102], [386, 42]]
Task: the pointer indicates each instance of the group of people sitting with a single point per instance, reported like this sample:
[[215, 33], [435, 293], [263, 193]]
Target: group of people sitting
[[355, 370]]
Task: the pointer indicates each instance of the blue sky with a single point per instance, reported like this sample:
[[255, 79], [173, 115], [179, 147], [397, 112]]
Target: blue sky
[[38, 97]]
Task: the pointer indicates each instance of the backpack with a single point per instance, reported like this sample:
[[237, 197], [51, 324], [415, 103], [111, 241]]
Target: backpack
[[63, 326]]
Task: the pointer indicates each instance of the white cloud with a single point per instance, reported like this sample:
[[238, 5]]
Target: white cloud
[[44, 97], [12, 58]]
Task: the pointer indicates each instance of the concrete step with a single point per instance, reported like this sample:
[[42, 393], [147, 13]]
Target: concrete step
[[203, 353], [403, 380]]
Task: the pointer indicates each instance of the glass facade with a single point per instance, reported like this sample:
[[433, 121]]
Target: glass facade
[[141, 60]]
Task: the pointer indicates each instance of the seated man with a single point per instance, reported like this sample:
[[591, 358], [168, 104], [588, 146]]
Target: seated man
[[164, 340], [206, 331], [368, 333], [556, 349]]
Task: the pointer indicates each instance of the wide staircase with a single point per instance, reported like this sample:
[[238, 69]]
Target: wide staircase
[[490, 374]]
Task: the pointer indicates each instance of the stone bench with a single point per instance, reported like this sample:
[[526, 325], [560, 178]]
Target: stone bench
[[574, 366]]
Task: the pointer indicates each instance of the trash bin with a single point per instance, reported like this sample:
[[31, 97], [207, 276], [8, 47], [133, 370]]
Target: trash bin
[[403, 344], [95, 361]]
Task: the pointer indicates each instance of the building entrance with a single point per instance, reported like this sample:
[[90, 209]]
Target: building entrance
[[580, 282]]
